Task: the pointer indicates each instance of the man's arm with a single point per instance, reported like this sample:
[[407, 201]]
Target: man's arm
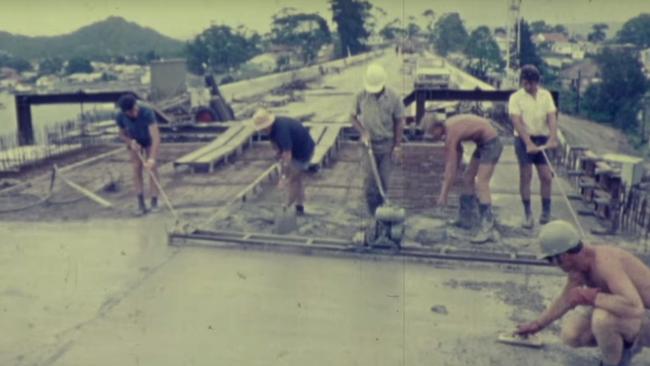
[[518, 124], [560, 305], [451, 165], [556, 310], [365, 135], [623, 299], [154, 132], [398, 131], [124, 137], [356, 123], [551, 120]]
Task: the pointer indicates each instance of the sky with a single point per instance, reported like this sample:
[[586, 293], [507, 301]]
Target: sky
[[186, 18]]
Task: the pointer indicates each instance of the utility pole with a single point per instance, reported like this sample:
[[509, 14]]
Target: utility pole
[[578, 87]]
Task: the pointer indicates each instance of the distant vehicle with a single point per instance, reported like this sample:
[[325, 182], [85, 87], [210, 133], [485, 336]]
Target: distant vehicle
[[431, 73]]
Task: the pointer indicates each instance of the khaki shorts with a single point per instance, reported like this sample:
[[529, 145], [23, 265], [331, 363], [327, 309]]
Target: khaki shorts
[[489, 152]]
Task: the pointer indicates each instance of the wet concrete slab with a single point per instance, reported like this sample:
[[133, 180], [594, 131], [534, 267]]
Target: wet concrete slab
[[101, 297]]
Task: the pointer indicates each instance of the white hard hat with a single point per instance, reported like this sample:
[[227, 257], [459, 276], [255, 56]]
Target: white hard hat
[[375, 78], [557, 237]]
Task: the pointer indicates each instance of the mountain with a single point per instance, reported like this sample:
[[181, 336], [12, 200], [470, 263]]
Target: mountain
[[111, 37]]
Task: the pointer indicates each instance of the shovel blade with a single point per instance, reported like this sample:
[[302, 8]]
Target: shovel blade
[[285, 222]]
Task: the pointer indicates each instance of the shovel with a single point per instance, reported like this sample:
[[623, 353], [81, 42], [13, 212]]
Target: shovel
[[285, 219]]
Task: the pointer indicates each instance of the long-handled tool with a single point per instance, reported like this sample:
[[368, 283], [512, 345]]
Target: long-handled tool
[[389, 219], [184, 226], [564, 194], [80, 189], [285, 220]]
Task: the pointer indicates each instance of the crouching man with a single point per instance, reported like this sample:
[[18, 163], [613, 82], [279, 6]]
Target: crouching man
[[455, 131], [294, 147], [605, 298]]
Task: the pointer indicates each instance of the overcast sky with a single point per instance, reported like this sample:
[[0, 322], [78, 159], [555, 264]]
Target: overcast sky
[[186, 18]]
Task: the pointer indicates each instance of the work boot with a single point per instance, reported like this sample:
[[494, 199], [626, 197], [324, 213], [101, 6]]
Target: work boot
[[154, 205], [528, 222], [544, 218], [629, 351], [464, 219], [142, 208], [300, 210], [486, 230]]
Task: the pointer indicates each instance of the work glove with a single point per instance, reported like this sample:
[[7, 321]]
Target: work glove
[[582, 296]]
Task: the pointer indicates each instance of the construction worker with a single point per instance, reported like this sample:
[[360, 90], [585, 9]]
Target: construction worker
[[378, 115], [294, 148], [455, 131], [139, 130], [533, 115], [606, 295]]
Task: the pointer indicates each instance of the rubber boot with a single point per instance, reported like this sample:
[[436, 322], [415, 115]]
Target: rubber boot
[[464, 207], [142, 208], [473, 215]]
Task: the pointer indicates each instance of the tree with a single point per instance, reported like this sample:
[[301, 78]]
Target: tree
[[527, 50], [450, 34], [430, 20], [17, 63], [540, 26], [145, 58], [636, 31], [599, 33], [412, 29], [617, 98], [392, 30], [350, 17], [483, 52], [50, 66], [559, 28], [78, 65], [309, 32], [219, 49]]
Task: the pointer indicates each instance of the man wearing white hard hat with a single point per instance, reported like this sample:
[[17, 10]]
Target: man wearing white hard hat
[[294, 147], [378, 115], [606, 297]]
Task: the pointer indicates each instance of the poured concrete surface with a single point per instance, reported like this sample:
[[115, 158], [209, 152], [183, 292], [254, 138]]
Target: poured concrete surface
[[113, 293]]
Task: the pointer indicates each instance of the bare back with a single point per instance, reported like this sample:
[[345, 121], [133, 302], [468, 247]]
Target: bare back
[[610, 257], [468, 127]]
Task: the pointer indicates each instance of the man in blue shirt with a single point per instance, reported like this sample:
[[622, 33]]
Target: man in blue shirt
[[139, 130], [294, 147]]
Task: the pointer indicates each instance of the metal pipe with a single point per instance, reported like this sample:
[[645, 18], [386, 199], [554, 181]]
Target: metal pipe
[[308, 245]]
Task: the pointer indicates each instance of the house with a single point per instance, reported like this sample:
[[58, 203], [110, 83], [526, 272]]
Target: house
[[286, 56], [9, 73], [84, 78], [556, 61], [574, 50], [540, 38], [587, 71], [47, 81]]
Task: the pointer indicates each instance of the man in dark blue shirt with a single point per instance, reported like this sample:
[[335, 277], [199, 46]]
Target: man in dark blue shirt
[[139, 130], [294, 147]]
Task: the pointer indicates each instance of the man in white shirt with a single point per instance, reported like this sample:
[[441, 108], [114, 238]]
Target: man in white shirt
[[533, 115]]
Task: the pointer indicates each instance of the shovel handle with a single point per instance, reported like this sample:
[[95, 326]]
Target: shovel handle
[[375, 171]]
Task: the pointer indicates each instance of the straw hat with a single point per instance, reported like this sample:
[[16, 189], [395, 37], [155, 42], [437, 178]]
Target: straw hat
[[263, 119]]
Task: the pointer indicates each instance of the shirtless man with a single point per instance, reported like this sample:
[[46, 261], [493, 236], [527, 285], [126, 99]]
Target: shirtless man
[[455, 130], [611, 289]]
